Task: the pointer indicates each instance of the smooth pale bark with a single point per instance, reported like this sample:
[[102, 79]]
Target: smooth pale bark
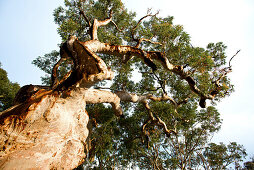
[[52, 132]]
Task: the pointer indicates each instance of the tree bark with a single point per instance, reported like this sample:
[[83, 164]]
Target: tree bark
[[49, 134], [49, 131]]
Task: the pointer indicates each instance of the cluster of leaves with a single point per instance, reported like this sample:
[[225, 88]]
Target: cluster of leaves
[[8, 90], [219, 156], [120, 142]]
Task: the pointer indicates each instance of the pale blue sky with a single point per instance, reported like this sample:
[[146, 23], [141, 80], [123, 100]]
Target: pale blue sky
[[27, 30]]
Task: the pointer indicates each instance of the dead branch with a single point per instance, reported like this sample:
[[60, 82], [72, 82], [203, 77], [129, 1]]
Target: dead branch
[[232, 58]]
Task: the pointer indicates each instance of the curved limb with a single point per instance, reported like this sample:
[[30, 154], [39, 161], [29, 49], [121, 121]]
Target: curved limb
[[54, 80], [148, 57]]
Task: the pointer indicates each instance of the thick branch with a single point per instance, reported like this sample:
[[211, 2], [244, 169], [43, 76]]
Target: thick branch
[[131, 97], [148, 57], [82, 50], [88, 67], [97, 24], [124, 51], [93, 96]]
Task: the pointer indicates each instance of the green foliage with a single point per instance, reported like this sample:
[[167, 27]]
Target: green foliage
[[120, 142], [220, 156], [8, 90], [72, 23], [249, 165], [46, 64]]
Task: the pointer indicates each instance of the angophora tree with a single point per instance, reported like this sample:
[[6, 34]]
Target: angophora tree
[[161, 124]]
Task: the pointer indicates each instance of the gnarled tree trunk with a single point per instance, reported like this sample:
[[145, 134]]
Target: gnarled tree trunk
[[49, 133]]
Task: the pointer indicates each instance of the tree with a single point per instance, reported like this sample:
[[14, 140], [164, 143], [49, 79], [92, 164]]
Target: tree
[[7, 90], [221, 156], [249, 164], [158, 122]]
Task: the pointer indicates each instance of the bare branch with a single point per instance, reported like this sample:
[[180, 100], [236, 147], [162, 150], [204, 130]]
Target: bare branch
[[139, 22], [85, 17], [118, 29], [54, 79], [233, 57], [125, 96]]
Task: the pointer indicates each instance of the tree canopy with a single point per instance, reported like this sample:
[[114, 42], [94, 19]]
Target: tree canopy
[[165, 121], [8, 90]]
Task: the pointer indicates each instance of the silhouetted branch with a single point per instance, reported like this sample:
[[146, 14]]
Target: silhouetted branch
[[85, 17], [149, 14], [233, 57]]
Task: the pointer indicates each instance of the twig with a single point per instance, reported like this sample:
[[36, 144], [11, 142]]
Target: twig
[[140, 20], [162, 83], [233, 57], [139, 41], [118, 29]]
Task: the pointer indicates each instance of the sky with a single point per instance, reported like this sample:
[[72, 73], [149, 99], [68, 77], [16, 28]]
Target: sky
[[27, 30]]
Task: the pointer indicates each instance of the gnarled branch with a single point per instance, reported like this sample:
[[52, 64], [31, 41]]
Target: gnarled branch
[[153, 119], [79, 51]]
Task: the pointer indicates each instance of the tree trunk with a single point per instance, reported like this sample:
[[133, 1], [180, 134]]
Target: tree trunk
[[50, 133]]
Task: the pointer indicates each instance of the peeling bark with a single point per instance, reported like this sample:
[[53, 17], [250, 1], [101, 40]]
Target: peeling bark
[[49, 134]]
